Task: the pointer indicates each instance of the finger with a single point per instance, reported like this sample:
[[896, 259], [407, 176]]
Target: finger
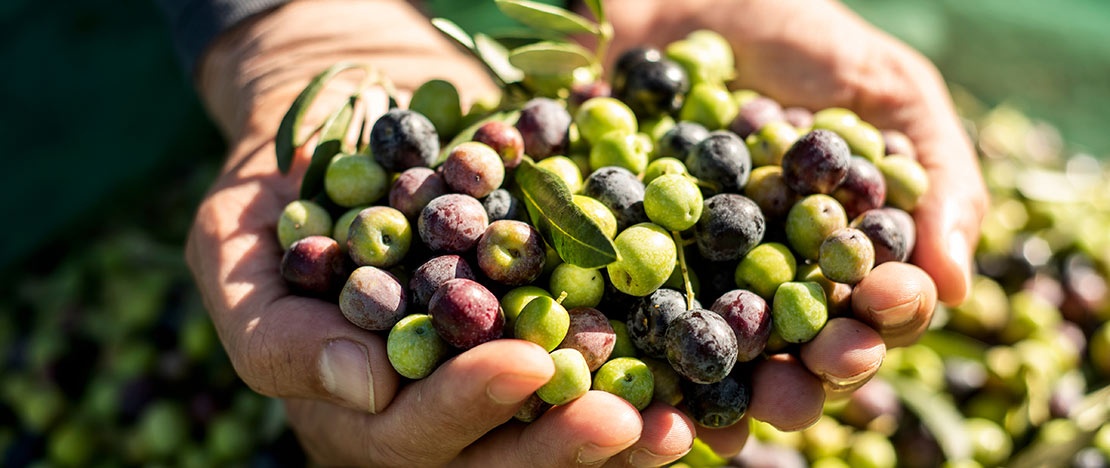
[[668, 434], [434, 419], [896, 300], [461, 401], [913, 98], [785, 394], [948, 217], [326, 432], [949, 214], [727, 441], [844, 355], [280, 345], [585, 432]]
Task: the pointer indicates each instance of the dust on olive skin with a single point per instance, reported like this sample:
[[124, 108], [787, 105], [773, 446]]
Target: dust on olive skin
[[591, 334], [816, 163], [722, 158], [544, 125], [754, 114], [729, 227], [505, 140], [619, 190], [452, 223], [430, 275], [465, 313], [863, 188], [401, 139], [749, 316], [701, 346], [500, 204], [473, 168], [677, 141], [889, 241], [414, 189], [718, 404], [312, 265], [373, 299], [648, 320]]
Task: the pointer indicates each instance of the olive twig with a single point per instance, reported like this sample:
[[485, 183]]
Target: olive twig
[[679, 243], [604, 36]]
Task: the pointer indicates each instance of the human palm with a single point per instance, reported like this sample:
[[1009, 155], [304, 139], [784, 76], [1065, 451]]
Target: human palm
[[344, 400]]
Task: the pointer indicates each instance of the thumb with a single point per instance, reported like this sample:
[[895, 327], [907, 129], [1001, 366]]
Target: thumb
[[949, 215], [304, 348]]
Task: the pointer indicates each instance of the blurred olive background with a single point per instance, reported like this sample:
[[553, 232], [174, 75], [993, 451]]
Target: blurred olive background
[[107, 353]]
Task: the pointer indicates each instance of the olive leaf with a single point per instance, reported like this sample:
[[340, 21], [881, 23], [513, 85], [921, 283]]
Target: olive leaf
[[547, 17], [577, 238], [949, 344], [550, 58], [288, 137], [597, 9], [491, 54], [332, 135], [496, 58], [519, 37], [453, 31], [1088, 416], [938, 413]]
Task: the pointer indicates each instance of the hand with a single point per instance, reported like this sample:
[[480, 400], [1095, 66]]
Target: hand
[[343, 399], [817, 54]]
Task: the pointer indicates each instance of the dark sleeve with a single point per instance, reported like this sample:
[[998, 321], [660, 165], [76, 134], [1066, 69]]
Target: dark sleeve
[[194, 24]]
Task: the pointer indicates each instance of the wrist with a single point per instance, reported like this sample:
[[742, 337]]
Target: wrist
[[252, 73]]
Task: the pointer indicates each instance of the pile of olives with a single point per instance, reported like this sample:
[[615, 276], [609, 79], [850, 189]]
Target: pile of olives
[[657, 233]]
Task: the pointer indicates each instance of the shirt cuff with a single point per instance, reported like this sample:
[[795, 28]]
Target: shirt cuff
[[194, 24]]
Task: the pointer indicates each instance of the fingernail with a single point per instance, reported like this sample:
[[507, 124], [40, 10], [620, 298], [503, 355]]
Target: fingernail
[[958, 251], [513, 388], [592, 454], [645, 457], [345, 372], [898, 315]]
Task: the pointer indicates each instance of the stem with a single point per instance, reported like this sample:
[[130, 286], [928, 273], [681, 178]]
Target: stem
[[348, 144], [679, 244], [375, 77], [605, 34]]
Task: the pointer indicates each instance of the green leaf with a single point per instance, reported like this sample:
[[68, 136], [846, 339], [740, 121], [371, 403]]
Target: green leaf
[[550, 58], [949, 344], [576, 237], [467, 133], [453, 31], [491, 54], [597, 8], [496, 58], [289, 137], [331, 143], [1088, 416], [522, 36], [938, 413], [547, 17]]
